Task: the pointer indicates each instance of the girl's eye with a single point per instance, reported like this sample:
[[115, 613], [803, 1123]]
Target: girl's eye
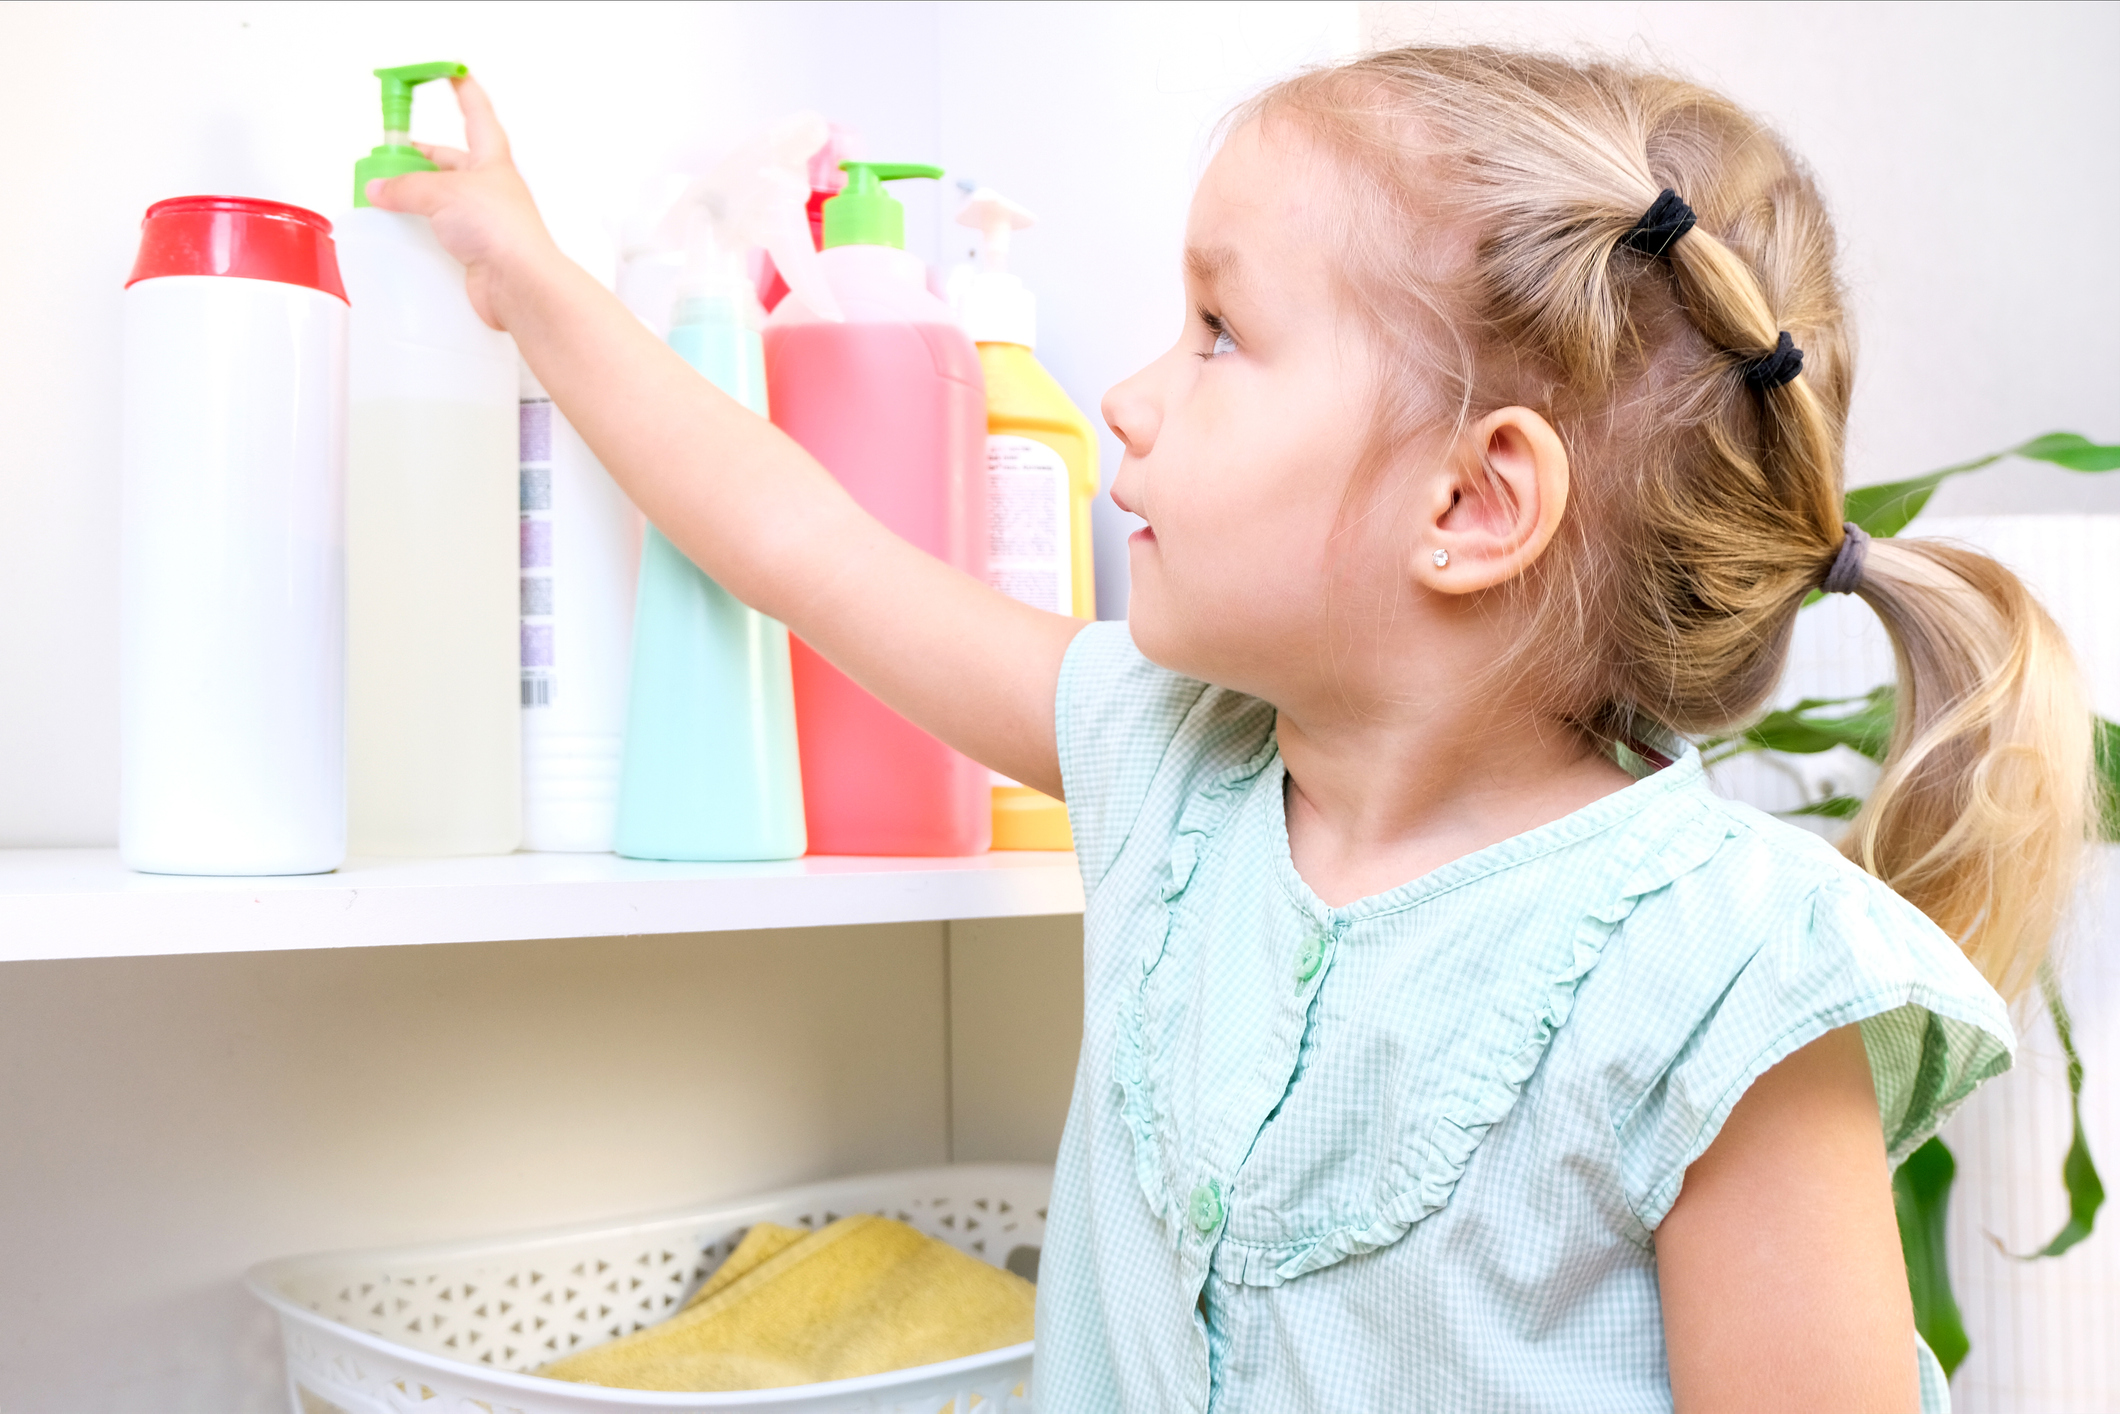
[[1223, 343]]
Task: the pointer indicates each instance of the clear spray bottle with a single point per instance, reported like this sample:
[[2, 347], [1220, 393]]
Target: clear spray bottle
[[711, 769]]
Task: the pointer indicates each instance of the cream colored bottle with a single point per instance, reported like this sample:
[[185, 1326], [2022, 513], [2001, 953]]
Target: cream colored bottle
[[434, 721]]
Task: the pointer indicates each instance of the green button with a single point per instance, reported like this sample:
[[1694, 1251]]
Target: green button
[[1310, 960], [1206, 1208]]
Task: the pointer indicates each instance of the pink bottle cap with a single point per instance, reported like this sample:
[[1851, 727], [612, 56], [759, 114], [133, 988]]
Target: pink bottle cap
[[240, 236]]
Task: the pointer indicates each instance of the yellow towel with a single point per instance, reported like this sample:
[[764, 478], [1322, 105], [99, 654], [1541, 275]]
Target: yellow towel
[[860, 1297], [762, 1243]]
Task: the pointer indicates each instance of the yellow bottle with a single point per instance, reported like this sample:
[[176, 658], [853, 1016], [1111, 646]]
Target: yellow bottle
[[1041, 477]]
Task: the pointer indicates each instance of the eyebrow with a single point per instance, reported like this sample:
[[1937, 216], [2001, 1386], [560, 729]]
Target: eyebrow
[[1213, 266]]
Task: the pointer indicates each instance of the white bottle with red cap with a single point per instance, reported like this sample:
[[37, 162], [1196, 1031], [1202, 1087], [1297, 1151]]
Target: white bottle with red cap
[[232, 536]]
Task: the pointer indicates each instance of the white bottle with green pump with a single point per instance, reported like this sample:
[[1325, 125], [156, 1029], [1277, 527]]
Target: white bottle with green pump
[[434, 760]]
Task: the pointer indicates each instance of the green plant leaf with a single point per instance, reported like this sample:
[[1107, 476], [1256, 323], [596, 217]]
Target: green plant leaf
[[1833, 807], [1884, 509], [2066, 449], [2078, 1174], [1921, 1196], [1822, 723], [2105, 750]]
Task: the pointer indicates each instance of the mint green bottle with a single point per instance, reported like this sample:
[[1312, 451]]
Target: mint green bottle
[[710, 770]]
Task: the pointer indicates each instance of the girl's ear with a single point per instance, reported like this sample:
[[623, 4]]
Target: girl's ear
[[1496, 506]]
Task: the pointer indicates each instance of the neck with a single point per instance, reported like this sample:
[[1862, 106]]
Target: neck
[[1383, 792]]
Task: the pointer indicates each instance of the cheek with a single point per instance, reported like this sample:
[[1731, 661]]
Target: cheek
[[1243, 490], [1260, 503], [1233, 571]]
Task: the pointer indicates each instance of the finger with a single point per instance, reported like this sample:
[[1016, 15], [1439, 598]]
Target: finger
[[449, 159], [482, 127], [421, 193]]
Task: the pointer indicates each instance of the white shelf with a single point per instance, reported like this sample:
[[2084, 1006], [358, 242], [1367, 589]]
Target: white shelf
[[61, 903]]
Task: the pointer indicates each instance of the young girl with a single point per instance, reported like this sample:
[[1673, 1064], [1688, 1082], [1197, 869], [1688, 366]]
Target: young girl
[[1448, 1045]]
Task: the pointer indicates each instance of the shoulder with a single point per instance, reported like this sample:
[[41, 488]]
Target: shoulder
[[1778, 893], [1130, 731], [1772, 942]]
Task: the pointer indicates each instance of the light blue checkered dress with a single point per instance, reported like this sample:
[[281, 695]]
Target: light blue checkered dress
[[1410, 1154]]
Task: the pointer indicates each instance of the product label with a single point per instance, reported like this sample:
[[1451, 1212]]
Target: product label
[[540, 675], [1029, 554], [1029, 548]]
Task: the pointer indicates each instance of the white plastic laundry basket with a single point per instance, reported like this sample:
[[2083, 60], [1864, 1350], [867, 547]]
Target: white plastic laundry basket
[[455, 1329]]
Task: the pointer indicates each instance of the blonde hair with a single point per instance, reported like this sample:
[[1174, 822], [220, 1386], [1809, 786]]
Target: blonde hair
[[1487, 197]]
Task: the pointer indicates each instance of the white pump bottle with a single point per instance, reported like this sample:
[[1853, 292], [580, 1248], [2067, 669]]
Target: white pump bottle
[[434, 761]]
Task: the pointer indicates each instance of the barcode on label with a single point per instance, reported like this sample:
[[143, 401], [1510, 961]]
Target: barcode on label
[[537, 690], [536, 430]]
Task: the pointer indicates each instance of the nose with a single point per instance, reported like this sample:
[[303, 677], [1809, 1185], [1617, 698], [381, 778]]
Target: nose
[[1130, 411]]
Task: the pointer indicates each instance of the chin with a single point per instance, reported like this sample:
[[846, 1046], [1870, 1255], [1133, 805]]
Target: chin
[[1151, 626], [1168, 640]]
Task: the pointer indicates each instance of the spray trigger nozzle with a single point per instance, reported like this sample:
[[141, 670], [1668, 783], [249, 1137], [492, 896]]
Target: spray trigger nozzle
[[757, 196], [994, 216]]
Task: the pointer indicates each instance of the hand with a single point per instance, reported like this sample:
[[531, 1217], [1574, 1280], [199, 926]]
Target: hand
[[478, 204]]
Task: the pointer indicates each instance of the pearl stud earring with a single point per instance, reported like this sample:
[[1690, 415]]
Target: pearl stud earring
[[1441, 558]]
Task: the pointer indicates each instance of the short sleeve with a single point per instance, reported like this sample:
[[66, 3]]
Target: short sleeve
[[1846, 950], [1115, 715]]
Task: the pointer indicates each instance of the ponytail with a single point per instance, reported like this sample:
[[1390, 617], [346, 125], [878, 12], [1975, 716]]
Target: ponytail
[[1987, 794]]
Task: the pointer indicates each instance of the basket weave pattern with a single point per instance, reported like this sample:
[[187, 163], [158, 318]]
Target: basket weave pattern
[[456, 1329]]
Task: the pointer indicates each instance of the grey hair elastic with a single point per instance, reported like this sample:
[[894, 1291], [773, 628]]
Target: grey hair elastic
[[1845, 576]]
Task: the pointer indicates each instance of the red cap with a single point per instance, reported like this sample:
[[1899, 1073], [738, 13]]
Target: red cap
[[235, 235]]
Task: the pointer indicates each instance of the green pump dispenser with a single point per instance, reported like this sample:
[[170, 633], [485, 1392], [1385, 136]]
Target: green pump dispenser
[[397, 155], [864, 213]]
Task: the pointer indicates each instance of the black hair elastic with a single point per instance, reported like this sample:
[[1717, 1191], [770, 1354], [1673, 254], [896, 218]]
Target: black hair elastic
[[1667, 218], [1844, 576], [1777, 367]]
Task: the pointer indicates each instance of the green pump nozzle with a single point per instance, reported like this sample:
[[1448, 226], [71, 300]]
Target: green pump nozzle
[[864, 213], [397, 155]]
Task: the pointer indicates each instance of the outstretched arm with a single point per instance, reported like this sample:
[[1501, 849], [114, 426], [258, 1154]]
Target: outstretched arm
[[734, 492], [1783, 1286]]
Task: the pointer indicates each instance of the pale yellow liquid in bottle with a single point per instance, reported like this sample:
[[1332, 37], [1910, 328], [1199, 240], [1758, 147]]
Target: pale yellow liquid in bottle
[[434, 713]]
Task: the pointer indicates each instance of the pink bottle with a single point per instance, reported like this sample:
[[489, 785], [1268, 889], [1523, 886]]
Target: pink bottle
[[893, 403]]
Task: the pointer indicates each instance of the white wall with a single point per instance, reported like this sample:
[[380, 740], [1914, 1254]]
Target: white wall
[[1015, 1032], [1967, 152]]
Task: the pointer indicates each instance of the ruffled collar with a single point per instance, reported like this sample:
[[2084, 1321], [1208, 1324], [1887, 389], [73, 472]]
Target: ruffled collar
[[1614, 811]]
